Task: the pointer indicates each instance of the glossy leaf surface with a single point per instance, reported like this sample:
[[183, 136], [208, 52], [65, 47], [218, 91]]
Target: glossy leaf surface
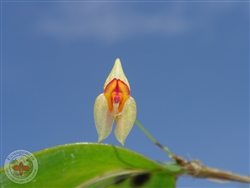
[[92, 165]]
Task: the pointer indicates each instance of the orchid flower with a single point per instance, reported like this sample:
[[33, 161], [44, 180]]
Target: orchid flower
[[115, 104]]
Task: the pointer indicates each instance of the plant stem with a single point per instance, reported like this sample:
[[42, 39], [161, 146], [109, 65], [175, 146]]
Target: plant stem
[[195, 168], [170, 154]]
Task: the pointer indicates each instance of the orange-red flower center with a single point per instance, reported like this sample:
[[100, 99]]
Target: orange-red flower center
[[116, 92]]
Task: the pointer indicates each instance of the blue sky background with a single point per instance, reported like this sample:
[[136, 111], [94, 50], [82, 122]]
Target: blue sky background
[[187, 64]]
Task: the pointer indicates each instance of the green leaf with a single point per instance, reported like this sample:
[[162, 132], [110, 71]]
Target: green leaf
[[91, 164]]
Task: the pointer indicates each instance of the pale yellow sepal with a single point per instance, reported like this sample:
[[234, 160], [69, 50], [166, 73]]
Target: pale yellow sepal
[[117, 72], [102, 117], [125, 121]]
